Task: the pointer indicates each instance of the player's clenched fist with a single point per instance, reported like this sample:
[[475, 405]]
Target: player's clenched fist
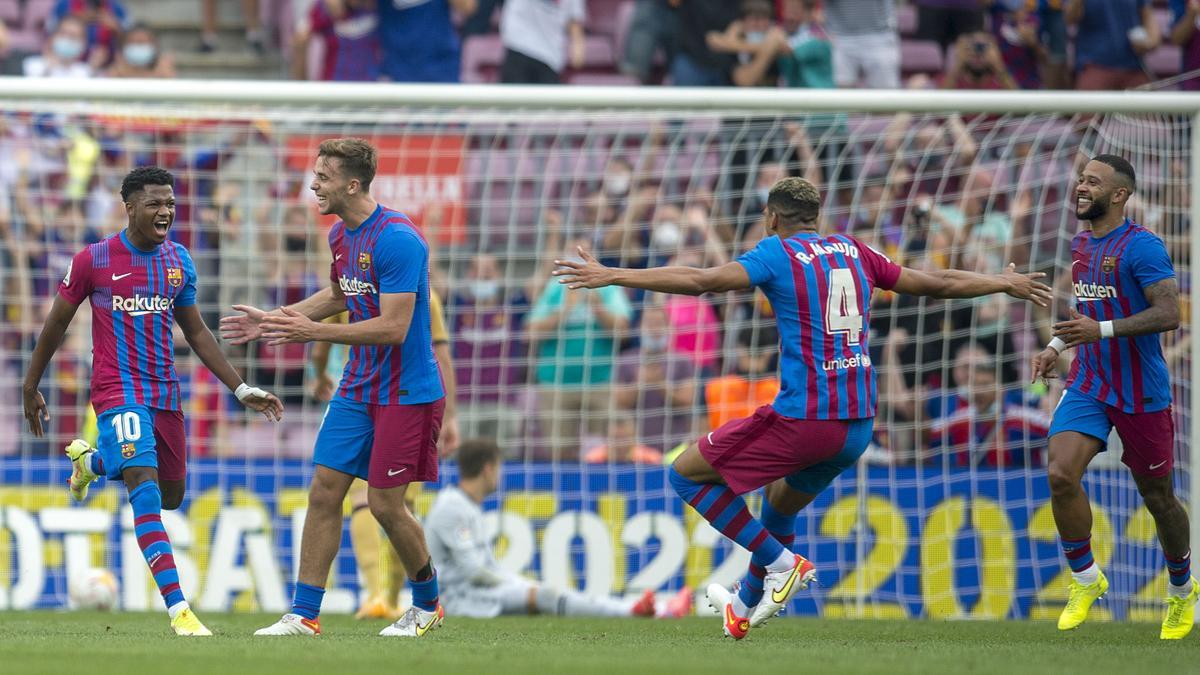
[[1044, 364]]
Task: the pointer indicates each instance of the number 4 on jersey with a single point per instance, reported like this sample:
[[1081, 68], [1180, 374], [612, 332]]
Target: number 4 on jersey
[[841, 310]]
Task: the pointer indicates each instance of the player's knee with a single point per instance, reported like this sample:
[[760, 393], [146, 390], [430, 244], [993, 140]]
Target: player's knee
[[1159, 502], [1063, 482], [323, 497], [388, 513]]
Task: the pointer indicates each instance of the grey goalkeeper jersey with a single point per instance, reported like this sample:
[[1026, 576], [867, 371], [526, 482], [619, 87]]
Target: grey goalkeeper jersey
[[459, 547]]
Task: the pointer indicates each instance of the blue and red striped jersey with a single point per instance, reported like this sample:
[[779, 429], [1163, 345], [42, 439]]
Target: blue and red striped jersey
[[820, 288], [1110, 275], [133, 295], [384, 255]]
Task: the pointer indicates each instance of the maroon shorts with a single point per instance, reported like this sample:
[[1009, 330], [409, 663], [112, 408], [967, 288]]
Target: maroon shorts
[[389, 445], [754, 451], [170, 438], [1148, 439]]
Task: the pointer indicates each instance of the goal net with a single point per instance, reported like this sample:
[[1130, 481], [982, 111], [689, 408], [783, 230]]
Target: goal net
[[591, 393]]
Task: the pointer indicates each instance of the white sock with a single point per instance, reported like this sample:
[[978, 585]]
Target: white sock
[[739, 607], [1087, 577], [783, 563], [1180, 591], [174, 610], [574, 603]]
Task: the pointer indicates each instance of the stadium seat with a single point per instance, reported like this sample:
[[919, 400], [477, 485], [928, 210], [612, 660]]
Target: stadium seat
[[906, 20], [36, 12], [598, 53], [10, 12], [920, 56], [481, 58], [25, 40], [1164, 61], [604, 79], [603, 16]]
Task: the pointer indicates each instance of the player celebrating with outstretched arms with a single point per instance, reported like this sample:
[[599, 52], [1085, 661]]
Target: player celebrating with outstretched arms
[[138, 283], [1125, 295], [384, 422], [821, 422]]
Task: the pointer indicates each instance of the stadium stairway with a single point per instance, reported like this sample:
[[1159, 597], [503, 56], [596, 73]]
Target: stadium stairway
[[178, 25]]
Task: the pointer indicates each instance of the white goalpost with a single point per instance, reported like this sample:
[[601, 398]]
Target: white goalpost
[[947, 516]]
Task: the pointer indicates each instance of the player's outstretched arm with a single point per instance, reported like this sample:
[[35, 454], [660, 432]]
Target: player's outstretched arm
[[963, 284], [53, 331], [1161, 316], [246, 327], [589, 273], [389, 328], [201, 340]]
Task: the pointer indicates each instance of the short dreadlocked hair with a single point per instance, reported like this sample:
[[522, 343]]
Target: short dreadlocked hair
[[139, 178], [795, 201]]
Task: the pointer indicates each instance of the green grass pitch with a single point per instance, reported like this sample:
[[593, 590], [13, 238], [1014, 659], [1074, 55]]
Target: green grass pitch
[[141, 644]]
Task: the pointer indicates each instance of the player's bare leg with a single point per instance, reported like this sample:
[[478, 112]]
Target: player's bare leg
[[322, 537], [1070, 454], [1171, 520], [145, 497], [367, 543], [322, 524], [408, 539], [702, 487]]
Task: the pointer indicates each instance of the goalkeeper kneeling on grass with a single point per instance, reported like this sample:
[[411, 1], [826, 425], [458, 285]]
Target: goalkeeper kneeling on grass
[[473, 584]]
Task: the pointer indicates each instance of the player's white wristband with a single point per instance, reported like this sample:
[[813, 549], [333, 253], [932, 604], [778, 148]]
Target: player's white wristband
[[245, 391], [1107, 330], [1057, 344]]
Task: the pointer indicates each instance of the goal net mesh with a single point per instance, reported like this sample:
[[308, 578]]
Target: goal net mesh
[[947, 515]]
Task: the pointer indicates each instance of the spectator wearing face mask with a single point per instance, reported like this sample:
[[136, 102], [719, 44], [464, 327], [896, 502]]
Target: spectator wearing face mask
[[755, 40], [63, 53], [103, 21], [141, 56], [486, 318], [656, 388]]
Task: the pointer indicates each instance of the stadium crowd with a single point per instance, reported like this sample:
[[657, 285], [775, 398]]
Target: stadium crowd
[[610, 376]]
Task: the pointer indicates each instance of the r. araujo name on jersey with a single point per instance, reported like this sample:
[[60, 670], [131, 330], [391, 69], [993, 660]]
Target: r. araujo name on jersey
[[1109, 276], [386, 255], [133, 294], [820, 289]]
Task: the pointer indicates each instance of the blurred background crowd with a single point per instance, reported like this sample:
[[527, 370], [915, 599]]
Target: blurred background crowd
[[608, 375]]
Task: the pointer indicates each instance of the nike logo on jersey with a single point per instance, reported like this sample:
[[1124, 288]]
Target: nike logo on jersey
[[397, 473], [1155, 466], [118, 277], [337, 257]]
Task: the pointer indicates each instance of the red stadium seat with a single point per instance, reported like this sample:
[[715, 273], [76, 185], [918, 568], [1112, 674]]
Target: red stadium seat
[[920, 56], [36, 12], [1164, 61], [10, 12], [481, 58]]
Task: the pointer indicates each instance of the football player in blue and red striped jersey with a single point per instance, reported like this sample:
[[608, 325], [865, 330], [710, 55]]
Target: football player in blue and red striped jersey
[[383, 424], [821, 421], [1126, 295]]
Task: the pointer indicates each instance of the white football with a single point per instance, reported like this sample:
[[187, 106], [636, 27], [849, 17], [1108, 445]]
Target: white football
[[95, 590]]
